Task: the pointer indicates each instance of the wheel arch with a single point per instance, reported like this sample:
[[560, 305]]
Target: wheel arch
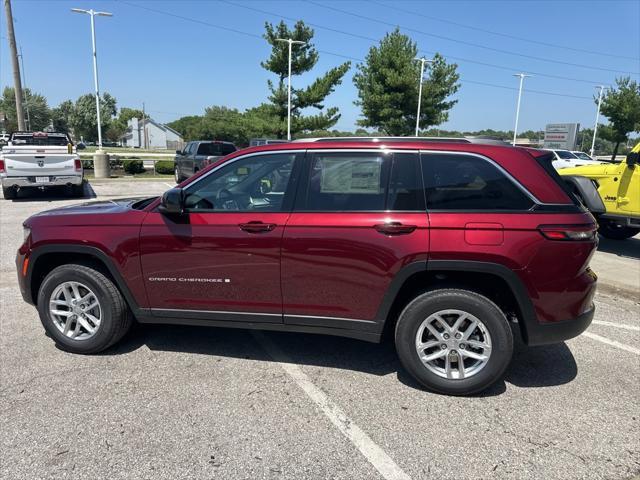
[[47, 257], [497, 282]]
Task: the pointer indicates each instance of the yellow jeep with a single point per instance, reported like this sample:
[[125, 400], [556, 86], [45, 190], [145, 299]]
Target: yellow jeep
[[611, 191]]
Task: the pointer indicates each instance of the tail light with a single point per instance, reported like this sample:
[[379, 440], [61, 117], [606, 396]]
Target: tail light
[[2, 167], [576, 233], [78, 164]]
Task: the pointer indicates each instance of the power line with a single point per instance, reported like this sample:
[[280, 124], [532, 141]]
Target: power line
[[500, 34], [463, 42], [429, 52], [253, 35]]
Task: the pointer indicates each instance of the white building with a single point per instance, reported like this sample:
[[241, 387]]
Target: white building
[[147, 133]]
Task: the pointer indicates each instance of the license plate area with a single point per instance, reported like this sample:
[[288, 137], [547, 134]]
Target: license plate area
[[42, 179]]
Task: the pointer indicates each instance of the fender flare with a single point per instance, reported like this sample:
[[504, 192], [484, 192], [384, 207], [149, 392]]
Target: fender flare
[[588, 192], [527, 320], [90, 251]]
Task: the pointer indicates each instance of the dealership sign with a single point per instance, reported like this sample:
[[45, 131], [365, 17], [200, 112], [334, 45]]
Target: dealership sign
[[561, 135]]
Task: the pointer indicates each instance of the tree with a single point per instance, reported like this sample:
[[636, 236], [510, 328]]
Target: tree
[[83, 116], [621, 106], [36, 104], [61, 117], [387, 85], [303, 59]]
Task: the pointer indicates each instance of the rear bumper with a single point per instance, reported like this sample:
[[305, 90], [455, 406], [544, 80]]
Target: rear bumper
[[54, 181], [556, 332]]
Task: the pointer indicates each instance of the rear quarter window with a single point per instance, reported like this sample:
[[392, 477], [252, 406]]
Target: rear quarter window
[[467, 182]]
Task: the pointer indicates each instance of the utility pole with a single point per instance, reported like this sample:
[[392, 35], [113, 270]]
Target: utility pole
[[595, 127], [422, 62], [144, 127], [290, 41], [17, 85], [24, 91], [93, 13], [515, 129]]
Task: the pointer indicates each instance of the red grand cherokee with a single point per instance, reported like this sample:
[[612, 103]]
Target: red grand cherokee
[[451, 247]]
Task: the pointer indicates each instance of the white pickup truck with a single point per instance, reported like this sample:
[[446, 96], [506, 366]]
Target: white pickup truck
[[40, 160]]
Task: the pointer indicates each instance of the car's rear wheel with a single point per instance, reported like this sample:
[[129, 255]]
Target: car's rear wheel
[[176, 175], [615, 231], [82, 310], [455, 342], [9, 193]]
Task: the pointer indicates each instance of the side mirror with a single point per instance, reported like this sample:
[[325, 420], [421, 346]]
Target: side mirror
[[632, 158], [178, 152], [172, 202]]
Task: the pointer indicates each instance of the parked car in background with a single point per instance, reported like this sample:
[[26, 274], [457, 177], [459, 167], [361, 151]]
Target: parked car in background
[[451, 248], [611, 191], [567, 159], [80, 146], [198, 154], [40, 160], [256, 142], [583, 156]]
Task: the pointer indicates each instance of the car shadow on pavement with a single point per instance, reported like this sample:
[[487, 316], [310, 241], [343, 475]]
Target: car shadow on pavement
[[55, 194], [531, 367], [629, 248]]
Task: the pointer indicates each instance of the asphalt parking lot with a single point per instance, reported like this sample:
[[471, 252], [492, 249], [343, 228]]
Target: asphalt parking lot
[[181, 402]]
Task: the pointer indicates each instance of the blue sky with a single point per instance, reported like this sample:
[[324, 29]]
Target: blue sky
[[178, 67]]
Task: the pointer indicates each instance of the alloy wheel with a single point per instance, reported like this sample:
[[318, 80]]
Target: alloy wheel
[[75, 310], [453, 344]]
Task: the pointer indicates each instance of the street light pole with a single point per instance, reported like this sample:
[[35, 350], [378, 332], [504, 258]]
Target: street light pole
[[290, 41], [595, 127], [515, 129], [422, 62], [93, 13]]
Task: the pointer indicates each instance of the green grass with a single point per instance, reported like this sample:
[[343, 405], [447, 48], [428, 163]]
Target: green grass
[[117, 150]]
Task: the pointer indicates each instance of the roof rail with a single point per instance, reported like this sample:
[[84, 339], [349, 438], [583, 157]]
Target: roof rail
[[483, 140]]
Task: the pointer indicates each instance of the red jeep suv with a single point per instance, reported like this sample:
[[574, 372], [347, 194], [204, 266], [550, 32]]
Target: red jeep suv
[[452, 247]]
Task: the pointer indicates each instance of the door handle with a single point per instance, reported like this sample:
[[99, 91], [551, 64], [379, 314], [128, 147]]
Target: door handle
[[257, 227], [394, 228]]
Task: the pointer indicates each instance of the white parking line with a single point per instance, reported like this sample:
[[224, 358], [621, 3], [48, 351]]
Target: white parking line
[[170, 186], [372, 452], [617, 325], [613, 343]]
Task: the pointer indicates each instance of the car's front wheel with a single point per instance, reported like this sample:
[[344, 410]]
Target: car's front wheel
[[81, 309], [455, 342], [176, 175]]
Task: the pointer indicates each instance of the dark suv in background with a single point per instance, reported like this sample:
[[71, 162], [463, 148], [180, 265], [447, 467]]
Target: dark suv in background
[[197, 155], [451, 248]]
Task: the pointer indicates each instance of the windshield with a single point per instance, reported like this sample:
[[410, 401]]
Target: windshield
[[565, 154], [582, 156]]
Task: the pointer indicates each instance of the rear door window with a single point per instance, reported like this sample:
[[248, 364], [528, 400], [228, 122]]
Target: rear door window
[[347, 182], [466, 182]]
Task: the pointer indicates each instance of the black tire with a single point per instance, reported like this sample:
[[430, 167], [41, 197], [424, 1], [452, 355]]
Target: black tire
[[617, 232], [176, 176], [76, 190], [116, 317], [9, 193], [483, 309]]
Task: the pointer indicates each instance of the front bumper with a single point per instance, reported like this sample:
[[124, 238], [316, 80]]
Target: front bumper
[[556, 332], [54, 181], [625, 221]]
